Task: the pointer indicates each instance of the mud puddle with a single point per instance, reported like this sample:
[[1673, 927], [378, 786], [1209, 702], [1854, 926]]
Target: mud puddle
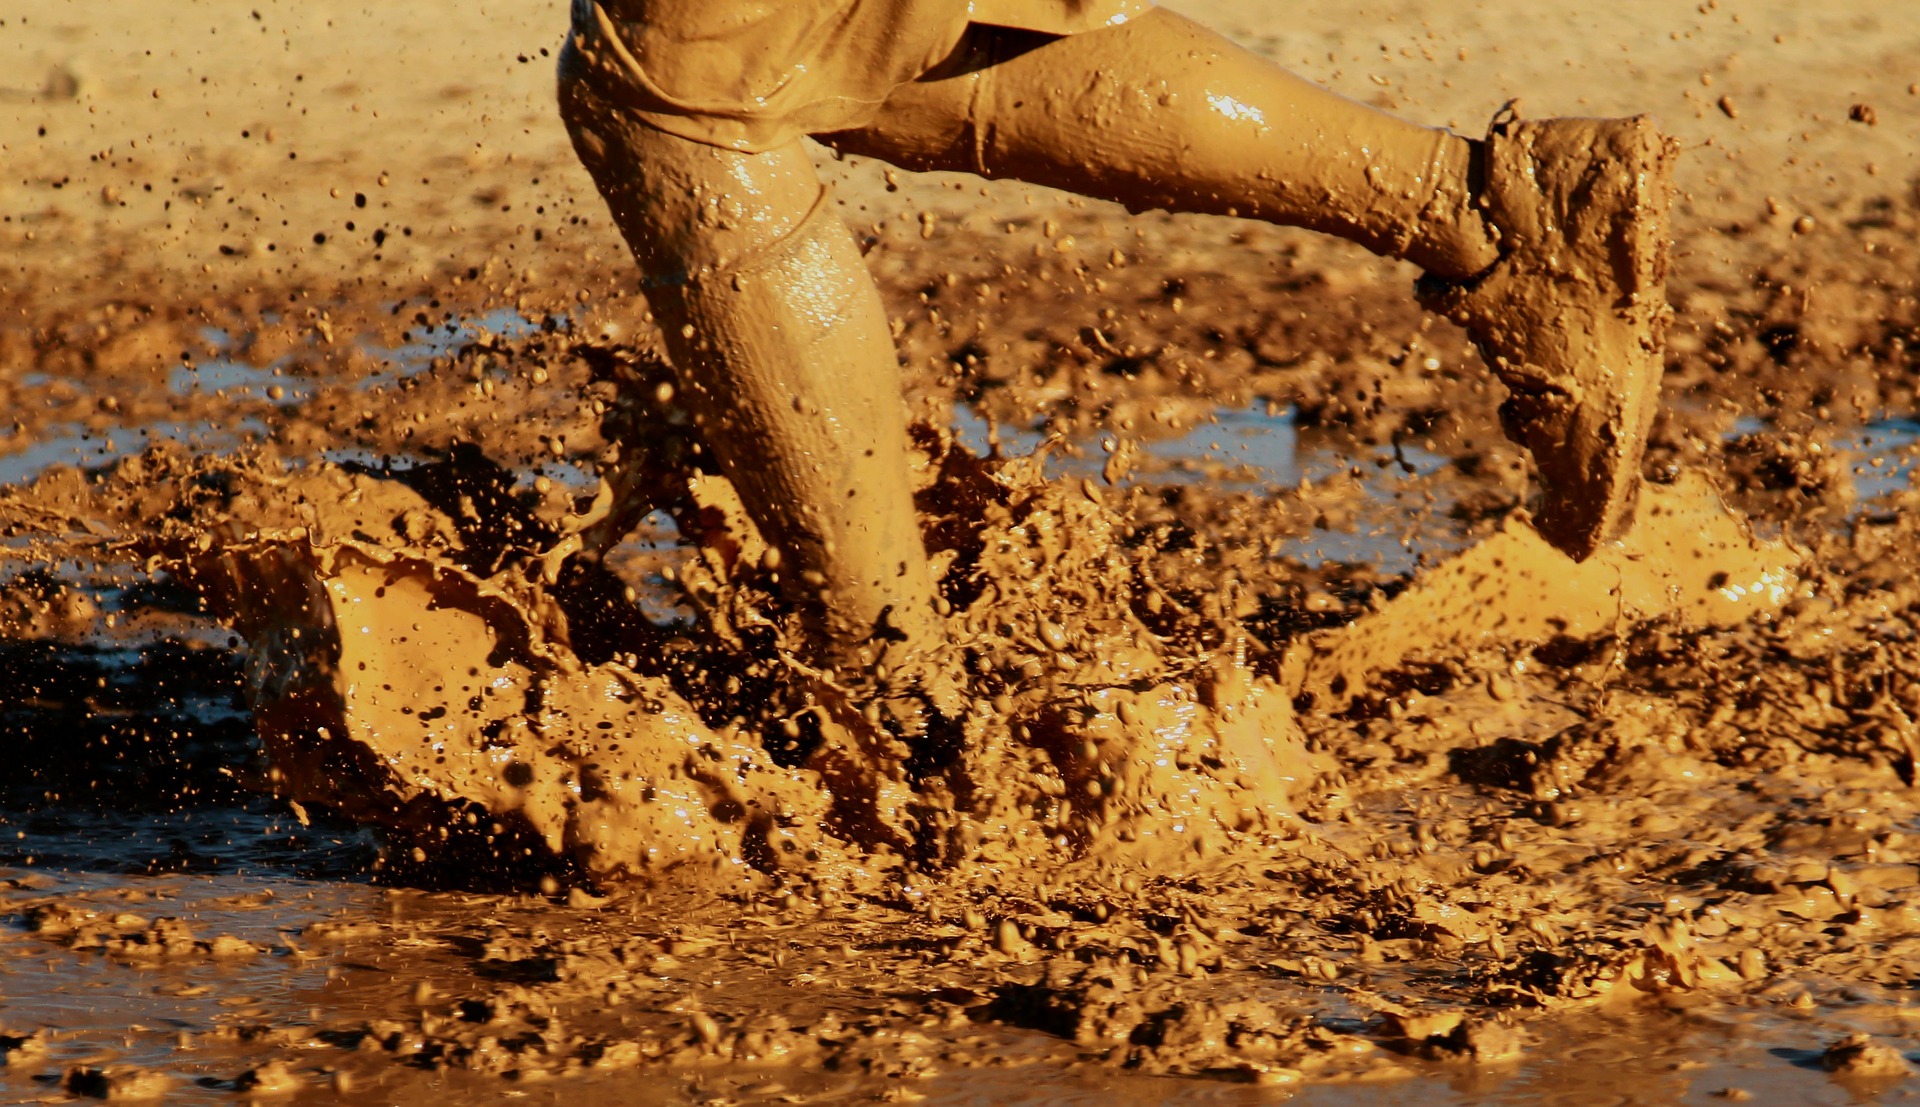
[[1642, 834], [225, 987], [1261, 450], [254, 398], [1880, 457], [1409, 941]]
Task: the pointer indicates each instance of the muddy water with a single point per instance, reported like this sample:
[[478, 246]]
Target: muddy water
[[1642, 858], [334, 963], [1523, 835], [1561, 861]]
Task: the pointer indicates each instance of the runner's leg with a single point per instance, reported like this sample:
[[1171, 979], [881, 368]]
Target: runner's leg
[[1160, 112], [1566, 302], [781, 344]]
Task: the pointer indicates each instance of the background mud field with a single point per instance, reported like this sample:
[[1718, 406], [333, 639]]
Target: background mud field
[[1652, 843]]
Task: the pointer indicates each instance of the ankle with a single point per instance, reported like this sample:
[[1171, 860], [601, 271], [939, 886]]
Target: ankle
[[1454, 240]]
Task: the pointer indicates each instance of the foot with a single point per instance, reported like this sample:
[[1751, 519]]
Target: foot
[[1573, 316]]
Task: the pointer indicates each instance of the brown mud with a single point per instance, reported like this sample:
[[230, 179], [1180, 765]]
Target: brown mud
[[1306, 771]]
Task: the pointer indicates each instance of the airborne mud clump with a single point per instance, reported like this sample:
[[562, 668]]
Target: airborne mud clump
[[399, 702]]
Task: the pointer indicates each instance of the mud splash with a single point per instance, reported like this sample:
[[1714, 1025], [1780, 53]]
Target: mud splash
[[1354, 779], [478, 684], [394, 681], [1660, 851], [1358, 776]]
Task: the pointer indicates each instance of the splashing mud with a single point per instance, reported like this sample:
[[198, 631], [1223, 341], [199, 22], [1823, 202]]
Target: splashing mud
[[406, 670], [398, 703]]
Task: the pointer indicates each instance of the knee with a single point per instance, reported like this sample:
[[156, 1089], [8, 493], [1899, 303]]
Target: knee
[[615, 159], [676, 208]]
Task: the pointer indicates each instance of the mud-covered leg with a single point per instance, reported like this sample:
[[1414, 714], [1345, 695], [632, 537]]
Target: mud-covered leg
[[1547, 242], [1161, 112], [781, 344]]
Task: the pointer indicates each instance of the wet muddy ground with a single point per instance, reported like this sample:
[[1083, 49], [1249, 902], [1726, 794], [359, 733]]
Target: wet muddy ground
[[1647, 841]]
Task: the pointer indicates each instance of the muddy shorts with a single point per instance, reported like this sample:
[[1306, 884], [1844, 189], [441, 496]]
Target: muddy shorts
[[754, 74]]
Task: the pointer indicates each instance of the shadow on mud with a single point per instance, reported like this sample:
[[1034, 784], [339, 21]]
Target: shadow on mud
[[143, 761]]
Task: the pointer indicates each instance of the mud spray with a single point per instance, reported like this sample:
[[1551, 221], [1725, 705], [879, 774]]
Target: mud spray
[[1296, 771]]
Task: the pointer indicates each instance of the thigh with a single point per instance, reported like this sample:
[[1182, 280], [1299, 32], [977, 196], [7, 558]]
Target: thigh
[[1011, 101], [942, 120]]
